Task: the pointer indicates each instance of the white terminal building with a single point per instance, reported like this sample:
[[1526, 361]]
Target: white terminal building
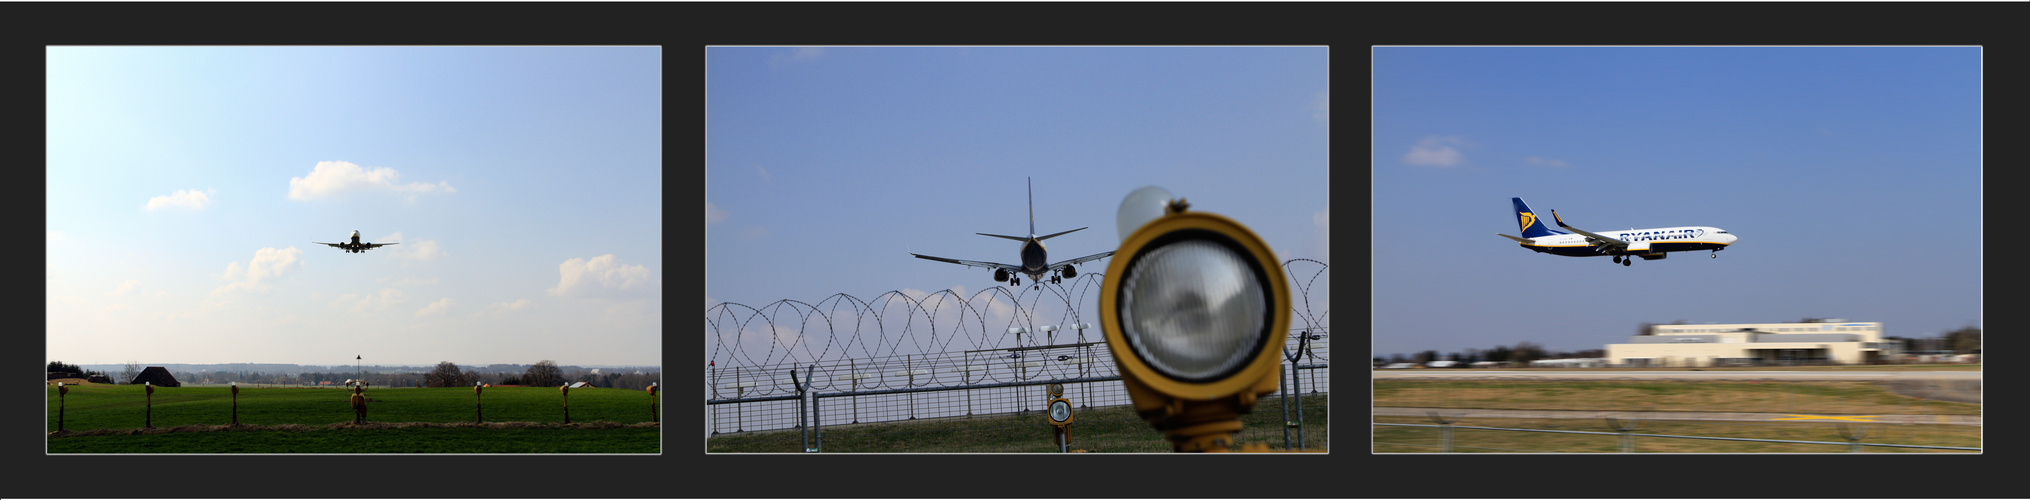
[[1833, 341]]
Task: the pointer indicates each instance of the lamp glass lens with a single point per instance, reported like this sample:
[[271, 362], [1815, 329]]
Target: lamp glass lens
[[1192, 309]]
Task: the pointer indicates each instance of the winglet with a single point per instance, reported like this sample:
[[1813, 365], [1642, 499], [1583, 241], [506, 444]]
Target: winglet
[[1560, 220]]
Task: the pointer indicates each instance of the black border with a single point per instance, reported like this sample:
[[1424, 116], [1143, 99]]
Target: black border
[[684, 29]]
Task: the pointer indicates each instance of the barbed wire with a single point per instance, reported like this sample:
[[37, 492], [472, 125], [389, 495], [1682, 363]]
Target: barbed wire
[[893, 324]]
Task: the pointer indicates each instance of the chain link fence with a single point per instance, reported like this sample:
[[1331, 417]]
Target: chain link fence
[[939, 372]]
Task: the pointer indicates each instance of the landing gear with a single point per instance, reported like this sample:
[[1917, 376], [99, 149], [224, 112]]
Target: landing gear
[[1716, 254], [1617, 259], [1626, 262]]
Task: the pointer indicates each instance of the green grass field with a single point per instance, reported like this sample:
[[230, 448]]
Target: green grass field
[[310, 420]]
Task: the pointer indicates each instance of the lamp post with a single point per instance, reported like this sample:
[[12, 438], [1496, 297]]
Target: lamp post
[[236, 403], [149, 420], [478, 410]]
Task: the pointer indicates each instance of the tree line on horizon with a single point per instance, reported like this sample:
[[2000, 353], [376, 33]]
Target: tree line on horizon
[[446, 374]]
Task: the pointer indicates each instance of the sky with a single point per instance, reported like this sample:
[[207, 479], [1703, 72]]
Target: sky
[[1851, 175], [825, 167], [186, 187]]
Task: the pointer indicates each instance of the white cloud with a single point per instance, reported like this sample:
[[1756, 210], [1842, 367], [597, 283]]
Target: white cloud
[[421, 250], [603, 275], [356, 303], [507, 307], [186, 199], [764, 174], [125, 286], [410, 282], [437, 308], [713, 215], [267, 265], [795, 55], [336, 178], [1548, 162], [1436, 151]]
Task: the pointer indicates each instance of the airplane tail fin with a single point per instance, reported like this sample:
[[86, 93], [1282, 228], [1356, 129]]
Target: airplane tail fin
[[1527, 219], [1032, 206]]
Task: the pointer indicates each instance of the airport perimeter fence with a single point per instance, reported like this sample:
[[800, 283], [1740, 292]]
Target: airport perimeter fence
[[967, 388], [1632, 415], [986, 401]]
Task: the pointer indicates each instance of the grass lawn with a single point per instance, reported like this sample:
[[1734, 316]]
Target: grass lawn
[[111, 419]]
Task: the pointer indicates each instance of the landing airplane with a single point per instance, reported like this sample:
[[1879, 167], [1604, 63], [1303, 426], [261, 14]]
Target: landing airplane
[[1033, 255], [1650, 244], [355, 246]]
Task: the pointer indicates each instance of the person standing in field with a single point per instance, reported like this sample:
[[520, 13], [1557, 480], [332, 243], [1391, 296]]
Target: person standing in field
[[359, 405]]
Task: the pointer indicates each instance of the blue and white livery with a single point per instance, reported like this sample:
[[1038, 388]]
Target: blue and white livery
[[1650, 244]]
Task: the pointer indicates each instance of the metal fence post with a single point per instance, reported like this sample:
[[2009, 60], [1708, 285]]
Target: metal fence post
[[1853, 435], [817, 424], [1296, 389], [1627, 441], [1283, 393], [1445, 431], [803, 432]]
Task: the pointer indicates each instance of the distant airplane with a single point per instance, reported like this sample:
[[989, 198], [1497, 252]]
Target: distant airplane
[[1034, 259], [1650, 244], [355, 246]]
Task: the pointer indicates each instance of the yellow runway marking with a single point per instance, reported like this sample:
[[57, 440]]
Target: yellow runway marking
[[1856, 418]]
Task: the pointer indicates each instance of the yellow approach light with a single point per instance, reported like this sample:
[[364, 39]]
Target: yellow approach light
[[1195, 311]]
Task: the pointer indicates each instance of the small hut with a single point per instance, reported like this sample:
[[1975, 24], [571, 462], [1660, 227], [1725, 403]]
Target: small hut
[[158, 376]]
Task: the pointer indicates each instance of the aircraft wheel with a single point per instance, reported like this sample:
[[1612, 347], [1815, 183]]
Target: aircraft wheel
[[1626, 262], [1617, 259]]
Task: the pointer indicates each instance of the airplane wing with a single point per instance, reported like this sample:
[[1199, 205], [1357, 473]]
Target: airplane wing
[[371, 246], [1080, 260], [1595, 239], [974, 263], [333, 245]]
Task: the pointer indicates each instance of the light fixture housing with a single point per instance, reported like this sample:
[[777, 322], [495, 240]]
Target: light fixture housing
[[1195, 307]]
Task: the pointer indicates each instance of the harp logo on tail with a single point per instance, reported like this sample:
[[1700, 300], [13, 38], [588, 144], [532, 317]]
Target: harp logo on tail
[[1527, 219]]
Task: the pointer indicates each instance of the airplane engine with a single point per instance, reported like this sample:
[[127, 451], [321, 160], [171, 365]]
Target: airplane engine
[[1068, 272], [1000, 275]]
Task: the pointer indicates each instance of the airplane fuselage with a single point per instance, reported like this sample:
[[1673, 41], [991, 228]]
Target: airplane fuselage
[[1643, 241], [1035, 260], [354, 245]]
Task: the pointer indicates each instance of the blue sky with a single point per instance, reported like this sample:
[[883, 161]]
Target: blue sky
[[1851, 175], [827, 166], [187, 184]]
